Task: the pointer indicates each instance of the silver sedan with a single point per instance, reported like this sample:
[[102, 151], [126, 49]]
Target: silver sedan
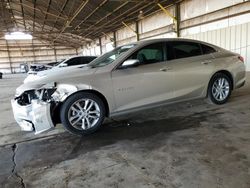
[[129, 78]]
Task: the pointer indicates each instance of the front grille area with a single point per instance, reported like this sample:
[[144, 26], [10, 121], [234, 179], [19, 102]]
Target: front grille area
[[42, 94]]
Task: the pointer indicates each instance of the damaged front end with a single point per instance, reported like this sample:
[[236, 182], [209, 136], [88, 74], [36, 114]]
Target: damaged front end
[[33, 108]]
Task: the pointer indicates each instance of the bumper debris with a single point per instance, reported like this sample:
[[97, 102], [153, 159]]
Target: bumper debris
[[33, 117]]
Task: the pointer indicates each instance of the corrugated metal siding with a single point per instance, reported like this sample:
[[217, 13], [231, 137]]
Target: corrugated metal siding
[[234, 38], [193, 8], [29, 52]]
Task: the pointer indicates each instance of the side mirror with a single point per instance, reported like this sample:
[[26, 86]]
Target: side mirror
[[130, 63]]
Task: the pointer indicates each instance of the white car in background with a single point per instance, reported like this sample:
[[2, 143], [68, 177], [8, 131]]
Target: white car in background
[[67, 64]]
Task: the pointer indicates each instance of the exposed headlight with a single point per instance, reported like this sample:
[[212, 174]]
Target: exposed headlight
[[49, 85], [43, 93]]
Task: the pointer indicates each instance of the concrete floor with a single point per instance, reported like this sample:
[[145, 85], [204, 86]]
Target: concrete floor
[[193, 144]]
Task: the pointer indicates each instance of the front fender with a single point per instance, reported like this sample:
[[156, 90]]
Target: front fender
[[65, 90]]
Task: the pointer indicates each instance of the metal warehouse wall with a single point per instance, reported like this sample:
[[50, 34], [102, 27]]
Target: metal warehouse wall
[[234, 38], [13, 53], [224, 23], [232, 32]]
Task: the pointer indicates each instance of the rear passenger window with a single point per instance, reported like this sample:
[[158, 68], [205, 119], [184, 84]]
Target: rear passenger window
[[179, 49], [207, 49]]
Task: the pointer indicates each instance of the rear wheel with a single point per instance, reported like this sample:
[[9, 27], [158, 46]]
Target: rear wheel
[[220, 88], [82, 113]]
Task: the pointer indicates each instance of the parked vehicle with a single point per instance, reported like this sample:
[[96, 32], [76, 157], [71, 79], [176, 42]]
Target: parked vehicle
[[24, 68], [69, 63], [132, 77], [34, 68], [75, 61], [72, 61], [55, 63]]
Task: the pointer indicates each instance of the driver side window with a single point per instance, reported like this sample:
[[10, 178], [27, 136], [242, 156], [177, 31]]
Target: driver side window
[[152, 53]]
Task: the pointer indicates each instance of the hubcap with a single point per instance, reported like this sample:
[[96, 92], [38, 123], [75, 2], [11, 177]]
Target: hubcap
[[84, 114], [220, 89]]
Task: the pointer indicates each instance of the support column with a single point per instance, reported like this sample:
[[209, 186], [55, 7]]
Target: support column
[[175, 24], [8, 51], [33, 51], [114, 38], [178, 18], [55, 53], [100, 43], [137, 30], [134, 31]]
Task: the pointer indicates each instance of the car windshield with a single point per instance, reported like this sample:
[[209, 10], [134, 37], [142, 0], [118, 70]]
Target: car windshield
[[59, 62], [111, 56]]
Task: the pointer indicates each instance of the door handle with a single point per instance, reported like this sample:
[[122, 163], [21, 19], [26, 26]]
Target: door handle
[[165, 69], [206, 62]]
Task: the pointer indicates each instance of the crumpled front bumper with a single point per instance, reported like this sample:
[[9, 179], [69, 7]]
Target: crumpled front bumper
[[33, 117]]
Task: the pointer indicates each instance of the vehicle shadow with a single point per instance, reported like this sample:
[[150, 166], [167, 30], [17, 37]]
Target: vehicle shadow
[[65, 146]]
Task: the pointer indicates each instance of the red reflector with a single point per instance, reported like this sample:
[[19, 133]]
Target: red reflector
[[241, 59]]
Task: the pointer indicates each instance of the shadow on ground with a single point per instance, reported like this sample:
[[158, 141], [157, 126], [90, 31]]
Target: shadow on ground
[[66, 146]]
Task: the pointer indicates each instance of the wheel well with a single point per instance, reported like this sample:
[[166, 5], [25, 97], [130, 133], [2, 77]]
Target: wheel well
[[98, 94], [226, 73], [229, 76]]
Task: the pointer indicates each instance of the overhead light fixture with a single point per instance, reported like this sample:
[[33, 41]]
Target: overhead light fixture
[[18, 36], [8, 6], [141, 15]]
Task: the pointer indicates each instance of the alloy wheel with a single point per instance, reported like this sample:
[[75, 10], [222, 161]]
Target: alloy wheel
[[220, 89], [84, 114]]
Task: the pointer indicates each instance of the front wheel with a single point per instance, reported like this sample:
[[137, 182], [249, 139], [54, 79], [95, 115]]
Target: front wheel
[[82, 113], [220, 88]]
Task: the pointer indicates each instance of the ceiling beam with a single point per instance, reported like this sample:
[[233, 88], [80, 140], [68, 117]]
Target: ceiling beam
[[61, 11], [42, 11], [46, 15], [105, 17], [34, 15], [67, 24], [147, 9], [115, 20], [12, 14], [87, 17], [23, 15]]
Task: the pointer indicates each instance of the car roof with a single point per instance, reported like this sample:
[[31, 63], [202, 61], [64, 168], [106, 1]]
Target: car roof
[[82, 56], [167, 39], [150, 41]]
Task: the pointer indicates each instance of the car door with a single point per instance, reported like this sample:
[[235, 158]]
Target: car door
[[145, 84], [192, 69]]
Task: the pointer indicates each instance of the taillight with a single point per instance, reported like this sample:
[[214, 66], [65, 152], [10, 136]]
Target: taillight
[[241, 59]]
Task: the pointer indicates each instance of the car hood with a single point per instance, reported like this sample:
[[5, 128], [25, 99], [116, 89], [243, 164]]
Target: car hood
[[59, 73], [59, 70], [40, 65]]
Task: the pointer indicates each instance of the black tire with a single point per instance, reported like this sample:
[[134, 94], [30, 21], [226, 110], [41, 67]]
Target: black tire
[[70, 101], [216, 77]]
